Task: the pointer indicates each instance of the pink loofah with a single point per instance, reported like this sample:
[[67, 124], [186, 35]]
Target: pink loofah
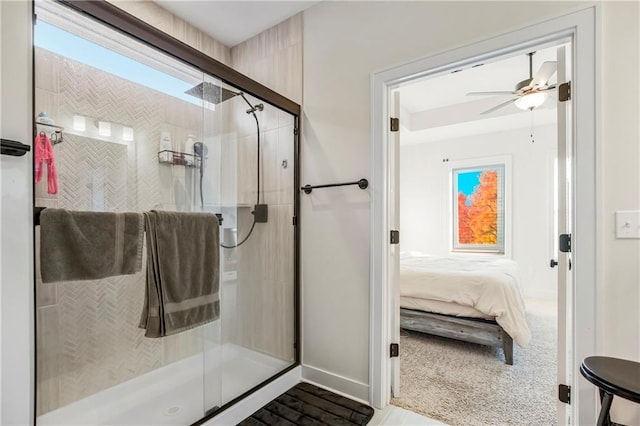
[[44, 154]]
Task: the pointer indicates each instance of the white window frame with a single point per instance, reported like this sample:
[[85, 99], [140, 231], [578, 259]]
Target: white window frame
[[479, 164]]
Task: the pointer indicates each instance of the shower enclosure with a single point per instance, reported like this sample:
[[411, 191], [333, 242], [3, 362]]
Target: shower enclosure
[[135, 129]]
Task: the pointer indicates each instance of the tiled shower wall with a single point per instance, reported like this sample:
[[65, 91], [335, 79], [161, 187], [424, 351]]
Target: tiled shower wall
[[274, 58], [88, 335]]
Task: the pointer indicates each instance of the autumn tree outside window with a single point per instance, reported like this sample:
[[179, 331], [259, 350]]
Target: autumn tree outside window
[[479, 209]]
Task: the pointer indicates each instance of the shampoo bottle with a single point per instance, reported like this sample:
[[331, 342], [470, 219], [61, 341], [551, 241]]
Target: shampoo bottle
[[165, 147]]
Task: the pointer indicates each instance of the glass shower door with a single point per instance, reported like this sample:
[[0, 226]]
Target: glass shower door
[[126, 142], [256, 200]]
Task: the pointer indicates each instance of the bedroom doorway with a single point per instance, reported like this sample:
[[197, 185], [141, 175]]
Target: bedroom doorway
[[474, 193], [580, 323]]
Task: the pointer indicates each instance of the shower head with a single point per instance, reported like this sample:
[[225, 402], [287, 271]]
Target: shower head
[[211, 92], [255, 108]]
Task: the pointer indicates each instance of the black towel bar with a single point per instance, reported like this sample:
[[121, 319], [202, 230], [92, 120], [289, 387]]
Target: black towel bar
[[36, 215], [362, 184], [14, 148], [38, 210]]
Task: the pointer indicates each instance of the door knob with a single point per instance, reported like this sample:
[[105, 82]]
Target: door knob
[[553, 263]]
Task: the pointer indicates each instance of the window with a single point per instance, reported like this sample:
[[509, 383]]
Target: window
[[479, 208], [118, 57]]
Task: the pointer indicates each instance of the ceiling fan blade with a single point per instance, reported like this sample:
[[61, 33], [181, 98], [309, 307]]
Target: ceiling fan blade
[[548, 89], [497, 107], [500, 93], [544, 74]]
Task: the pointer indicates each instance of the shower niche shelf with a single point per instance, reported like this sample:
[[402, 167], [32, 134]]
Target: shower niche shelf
[[178, 158]]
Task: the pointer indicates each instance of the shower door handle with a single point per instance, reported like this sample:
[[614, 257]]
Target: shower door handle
[[13, 148]]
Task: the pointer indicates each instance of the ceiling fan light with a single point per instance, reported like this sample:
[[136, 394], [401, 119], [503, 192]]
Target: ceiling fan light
[[531, 101]]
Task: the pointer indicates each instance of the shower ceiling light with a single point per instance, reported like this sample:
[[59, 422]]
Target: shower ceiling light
[[104, 128], [531, 101], [127, 133], [79, 123]]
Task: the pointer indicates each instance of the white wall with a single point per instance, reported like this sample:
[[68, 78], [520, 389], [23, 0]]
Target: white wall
[[619, 290], [16, 260], [425, 199], [343, 43]]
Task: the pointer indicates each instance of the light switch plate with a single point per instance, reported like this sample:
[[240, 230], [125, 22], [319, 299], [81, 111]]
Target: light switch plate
[[628, 224]]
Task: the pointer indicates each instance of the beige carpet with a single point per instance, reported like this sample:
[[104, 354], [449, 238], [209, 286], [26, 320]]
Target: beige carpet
[[467, 384]]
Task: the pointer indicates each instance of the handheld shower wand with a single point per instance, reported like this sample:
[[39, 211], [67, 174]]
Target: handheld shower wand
[[200, 150]]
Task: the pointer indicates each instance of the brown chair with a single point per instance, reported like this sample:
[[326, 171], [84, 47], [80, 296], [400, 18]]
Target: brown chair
[[612, 376]]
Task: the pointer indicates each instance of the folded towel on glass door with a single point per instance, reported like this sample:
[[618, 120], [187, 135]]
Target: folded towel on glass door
[[182, 281], [77, 245], [44, 155]]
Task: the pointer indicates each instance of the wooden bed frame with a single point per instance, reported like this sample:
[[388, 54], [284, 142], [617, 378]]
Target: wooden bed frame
[[475, 330]]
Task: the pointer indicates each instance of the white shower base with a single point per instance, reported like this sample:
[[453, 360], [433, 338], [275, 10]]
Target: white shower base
[[177, 394]]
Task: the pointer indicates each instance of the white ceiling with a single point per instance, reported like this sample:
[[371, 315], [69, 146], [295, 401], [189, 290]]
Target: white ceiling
[[438, 108], [232, 22]]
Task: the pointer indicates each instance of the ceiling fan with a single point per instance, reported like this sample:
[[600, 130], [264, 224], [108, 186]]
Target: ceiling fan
[[529, 93]]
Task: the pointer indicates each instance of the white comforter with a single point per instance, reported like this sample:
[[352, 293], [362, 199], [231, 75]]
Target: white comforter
[[488, 285]]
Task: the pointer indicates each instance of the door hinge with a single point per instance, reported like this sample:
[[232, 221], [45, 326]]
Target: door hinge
[[395, 237], [295, 221], [295, 131], [565, 243], [564, 92], [394, 350], [395, 124], [564, 393]]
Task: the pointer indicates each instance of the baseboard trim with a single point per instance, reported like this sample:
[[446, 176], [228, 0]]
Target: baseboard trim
[[341, 385], [249, 405]]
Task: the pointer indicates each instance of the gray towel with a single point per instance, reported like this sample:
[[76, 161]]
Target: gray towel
[[183, 259], [76, 245]]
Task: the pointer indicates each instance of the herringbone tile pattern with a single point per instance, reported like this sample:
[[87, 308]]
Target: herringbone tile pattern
[[93, 175]]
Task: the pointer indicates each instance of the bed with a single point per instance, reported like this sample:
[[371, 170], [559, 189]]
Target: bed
[[475, 299]]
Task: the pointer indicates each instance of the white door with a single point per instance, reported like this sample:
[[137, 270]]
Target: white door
[[564, 226], [393, 215], [16, 213]]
